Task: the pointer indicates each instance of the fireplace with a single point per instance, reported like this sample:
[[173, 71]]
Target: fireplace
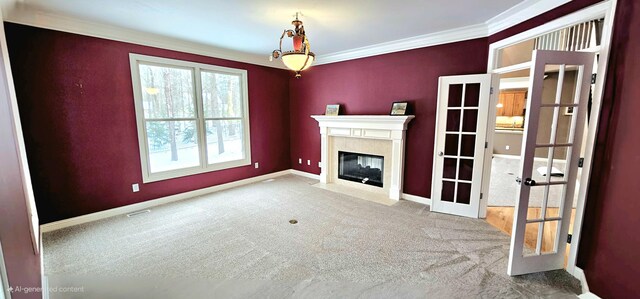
[[363, 155], [361, 168]]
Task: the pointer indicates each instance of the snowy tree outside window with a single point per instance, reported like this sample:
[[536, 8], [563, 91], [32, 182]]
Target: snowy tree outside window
[[193, 117]]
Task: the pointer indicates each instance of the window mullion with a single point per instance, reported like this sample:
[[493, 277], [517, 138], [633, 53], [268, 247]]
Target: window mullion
[[244, 89], [152, 128], [202, 134]]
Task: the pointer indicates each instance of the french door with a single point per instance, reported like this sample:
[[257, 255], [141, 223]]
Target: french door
[[461, 127], [554, 123]]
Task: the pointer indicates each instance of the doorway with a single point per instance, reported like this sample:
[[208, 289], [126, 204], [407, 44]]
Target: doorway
[[463, 104], [550, 162], [507, 153], [584, 31]]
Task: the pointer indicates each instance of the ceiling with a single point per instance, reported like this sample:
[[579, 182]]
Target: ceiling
[[254, 26]]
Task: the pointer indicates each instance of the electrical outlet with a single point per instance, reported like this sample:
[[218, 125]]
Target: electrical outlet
[[507, 147], [257, 165], [135, 187], [299, 160], [309, 162]]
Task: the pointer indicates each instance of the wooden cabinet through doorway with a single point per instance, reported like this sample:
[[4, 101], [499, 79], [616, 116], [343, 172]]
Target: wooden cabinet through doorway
[[512, 102]]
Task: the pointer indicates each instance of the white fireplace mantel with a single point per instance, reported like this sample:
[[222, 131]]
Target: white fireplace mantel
[[381, 127], [383, 122]]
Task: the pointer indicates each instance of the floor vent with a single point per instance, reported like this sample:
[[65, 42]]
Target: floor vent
[[138, 213]]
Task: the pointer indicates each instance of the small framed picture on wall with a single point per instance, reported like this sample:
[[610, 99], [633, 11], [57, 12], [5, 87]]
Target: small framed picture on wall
[[399, 108], [332, 110]]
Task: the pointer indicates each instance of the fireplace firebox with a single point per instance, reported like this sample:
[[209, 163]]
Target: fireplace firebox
[[361, 168]]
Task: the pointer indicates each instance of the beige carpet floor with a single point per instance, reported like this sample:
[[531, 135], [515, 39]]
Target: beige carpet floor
[[239, 243]]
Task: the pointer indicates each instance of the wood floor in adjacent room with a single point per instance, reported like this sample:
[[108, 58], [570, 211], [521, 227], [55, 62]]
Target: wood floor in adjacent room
[[502, 218], [240, 243]]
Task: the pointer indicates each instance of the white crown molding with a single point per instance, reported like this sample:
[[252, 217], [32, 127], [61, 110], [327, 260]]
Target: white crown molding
[[21, 14], [521, 12], [594, 11], [421, 41], [513, 16]]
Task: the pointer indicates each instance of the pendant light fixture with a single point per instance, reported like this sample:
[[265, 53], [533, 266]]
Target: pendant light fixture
[[301, 57]]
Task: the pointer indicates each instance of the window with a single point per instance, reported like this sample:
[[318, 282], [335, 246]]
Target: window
[[192, 118]]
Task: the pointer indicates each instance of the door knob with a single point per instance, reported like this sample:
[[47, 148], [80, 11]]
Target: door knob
[[440, 153], [529, 182]]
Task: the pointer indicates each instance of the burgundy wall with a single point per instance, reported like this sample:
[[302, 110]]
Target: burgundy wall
[[369, 86], [609, 251], [61, 121], [610, 247], [76, 105]]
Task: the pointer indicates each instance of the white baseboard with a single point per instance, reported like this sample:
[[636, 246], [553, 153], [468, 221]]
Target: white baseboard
[[405, 196], [588, 295], [186, 195], [415, 198], [45, 286], [305, 174], [154, 202], [579, 274], [44, 280]]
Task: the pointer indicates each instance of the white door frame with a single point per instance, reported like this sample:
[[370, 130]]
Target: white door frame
[[7, 87], [4, 280], [607, 11]]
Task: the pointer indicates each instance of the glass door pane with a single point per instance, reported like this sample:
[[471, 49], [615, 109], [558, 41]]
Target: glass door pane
[[555, 120], [462, 112], [459, 151], [554, 143]]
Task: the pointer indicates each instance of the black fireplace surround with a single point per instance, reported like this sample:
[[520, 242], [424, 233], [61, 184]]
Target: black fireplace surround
[[361, 168]]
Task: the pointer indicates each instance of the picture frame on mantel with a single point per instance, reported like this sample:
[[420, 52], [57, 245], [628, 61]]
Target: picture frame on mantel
[[399, 108], [332, 110]]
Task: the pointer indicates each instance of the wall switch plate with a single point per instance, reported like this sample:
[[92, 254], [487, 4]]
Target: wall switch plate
[[507, 147], [309, 162], [135, 187], [319, 164], [299, 160], [257, 165]]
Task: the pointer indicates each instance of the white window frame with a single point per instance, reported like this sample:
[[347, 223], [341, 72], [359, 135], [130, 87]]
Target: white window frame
[[204, 166]]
